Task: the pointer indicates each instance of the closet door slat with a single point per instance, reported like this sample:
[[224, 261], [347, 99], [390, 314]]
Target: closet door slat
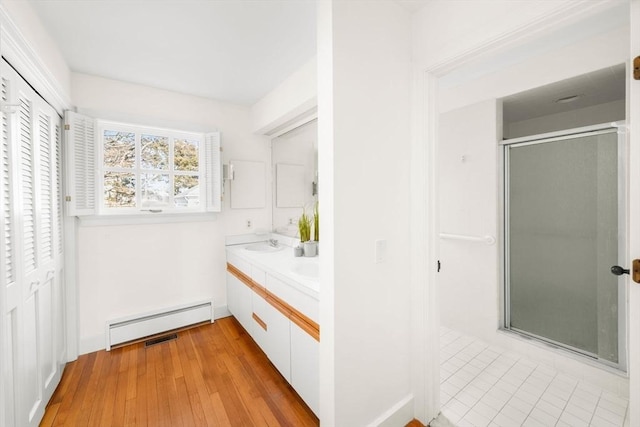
[[27, 185], [46, 181], [6, 197]]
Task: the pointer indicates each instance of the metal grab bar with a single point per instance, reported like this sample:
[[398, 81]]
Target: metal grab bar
[[489, 240]]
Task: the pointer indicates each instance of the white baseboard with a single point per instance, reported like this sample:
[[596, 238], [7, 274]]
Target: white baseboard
[[97, 342], [140, 325], [399, 414]]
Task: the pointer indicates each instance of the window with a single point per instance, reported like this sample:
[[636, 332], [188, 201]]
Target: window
[[151, 169], [141, 170]]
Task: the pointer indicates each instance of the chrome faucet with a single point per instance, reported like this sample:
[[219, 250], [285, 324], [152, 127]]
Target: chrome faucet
[[273, 242]]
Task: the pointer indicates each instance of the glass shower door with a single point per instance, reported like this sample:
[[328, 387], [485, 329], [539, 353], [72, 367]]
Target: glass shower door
[[563, 223]]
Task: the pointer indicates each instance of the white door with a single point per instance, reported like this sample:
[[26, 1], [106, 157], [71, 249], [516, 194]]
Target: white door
[[33, 347], [565, 206], [10, 290], [634, 216]]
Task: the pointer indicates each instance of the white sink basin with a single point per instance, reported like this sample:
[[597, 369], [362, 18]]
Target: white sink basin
[[308, 270], [263, 247]]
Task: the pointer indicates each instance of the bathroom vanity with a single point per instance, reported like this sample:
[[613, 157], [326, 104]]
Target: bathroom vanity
[[274, 296]]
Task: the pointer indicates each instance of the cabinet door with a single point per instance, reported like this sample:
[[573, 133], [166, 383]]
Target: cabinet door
[[239, 301], [271, 332], [305, 367]]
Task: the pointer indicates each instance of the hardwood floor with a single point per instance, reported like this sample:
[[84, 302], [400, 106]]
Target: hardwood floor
[[212, 375]]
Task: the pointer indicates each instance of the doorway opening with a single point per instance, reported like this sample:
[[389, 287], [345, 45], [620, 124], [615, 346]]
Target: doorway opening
[[488, 374]]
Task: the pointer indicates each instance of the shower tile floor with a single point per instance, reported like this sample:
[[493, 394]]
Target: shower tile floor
[[482, 385]]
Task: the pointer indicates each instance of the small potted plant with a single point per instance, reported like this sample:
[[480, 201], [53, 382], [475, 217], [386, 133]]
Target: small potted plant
[[304, 227]]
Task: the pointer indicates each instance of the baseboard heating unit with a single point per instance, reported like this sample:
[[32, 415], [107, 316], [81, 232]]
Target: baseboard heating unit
[[134, 328]]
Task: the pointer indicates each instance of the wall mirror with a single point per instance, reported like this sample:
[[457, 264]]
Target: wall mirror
[[294, 157]]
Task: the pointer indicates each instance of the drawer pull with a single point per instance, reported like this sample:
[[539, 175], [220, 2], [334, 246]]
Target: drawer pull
[[259, 321]]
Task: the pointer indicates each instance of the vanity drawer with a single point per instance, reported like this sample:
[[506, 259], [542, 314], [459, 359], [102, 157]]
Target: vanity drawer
[[239, 263], [304, 303], [258, 275]]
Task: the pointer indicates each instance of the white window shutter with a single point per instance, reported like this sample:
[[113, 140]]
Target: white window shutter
[[213, 170], [80, 148]]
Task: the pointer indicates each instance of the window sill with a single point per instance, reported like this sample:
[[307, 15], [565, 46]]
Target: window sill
[[138, 219]]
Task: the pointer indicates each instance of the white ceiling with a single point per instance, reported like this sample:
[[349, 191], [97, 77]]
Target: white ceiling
[[230, 50], [594, 88]]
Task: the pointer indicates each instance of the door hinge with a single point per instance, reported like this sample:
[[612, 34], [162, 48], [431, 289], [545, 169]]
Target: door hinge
[[67, 127], [636, 68], [439, 266]]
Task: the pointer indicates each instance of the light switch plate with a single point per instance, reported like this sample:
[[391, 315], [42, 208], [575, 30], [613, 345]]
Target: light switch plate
[[380, 250]]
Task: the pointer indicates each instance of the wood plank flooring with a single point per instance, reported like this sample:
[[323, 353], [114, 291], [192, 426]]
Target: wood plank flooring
[[212, 375]]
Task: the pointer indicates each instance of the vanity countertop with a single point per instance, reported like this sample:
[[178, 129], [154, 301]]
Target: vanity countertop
[[298, 272]]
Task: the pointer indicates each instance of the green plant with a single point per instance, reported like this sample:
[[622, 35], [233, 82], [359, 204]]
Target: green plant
[[316, 223], [304, 226]]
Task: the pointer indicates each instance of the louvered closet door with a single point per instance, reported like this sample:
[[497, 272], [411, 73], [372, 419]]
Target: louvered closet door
[[35, 230], [11, 296]]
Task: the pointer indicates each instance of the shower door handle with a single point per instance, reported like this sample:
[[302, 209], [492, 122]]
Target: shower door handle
[[619, 271], [635, 275]]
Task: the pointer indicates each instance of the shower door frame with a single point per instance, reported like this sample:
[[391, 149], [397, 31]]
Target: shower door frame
[[623, 241]]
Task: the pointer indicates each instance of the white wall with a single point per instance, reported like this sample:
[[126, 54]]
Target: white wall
[[551, 62], [364, 149], [295, 96], [130, 269], [468, 198]]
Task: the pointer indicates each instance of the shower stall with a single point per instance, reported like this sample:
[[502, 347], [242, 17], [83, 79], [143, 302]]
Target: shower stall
[[564, 230], [533, 322]]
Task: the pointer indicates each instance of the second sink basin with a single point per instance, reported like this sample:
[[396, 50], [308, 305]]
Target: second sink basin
[[308, 270], [263, 247]]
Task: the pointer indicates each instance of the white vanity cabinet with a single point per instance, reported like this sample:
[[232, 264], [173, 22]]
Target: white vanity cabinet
[[271, 330], [305, 366], [239, 301], [282, 317]]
